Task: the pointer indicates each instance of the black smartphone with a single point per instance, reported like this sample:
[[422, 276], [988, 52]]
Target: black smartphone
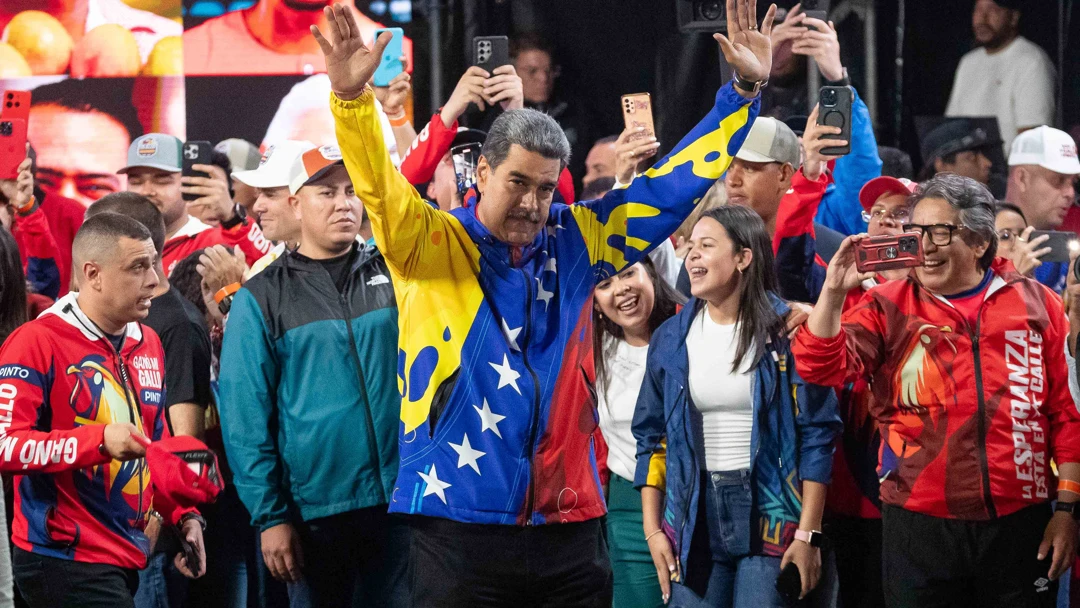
[[1061, 244], [811, 10], [789, 583], [490, 52], [834, 110], [195, 153]]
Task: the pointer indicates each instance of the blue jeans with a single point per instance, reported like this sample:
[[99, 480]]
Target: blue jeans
[[736, 579], [161, 585]]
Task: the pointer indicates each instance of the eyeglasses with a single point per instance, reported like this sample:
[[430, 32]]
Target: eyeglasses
[[1007, 235], [898, 216], [940, 234]]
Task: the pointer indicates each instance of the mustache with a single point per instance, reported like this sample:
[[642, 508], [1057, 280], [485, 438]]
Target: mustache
[[524, 214]]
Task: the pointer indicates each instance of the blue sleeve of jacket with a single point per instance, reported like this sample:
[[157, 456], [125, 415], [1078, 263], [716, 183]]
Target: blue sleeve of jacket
[[819, 424], [248, 387], [43, 276], [840, 208], [624, 225], [648, 427]]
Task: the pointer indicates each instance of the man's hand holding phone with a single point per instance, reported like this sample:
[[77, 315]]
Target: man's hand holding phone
[[19, 192], [191, 561], [820, 43], [469, 89], [393, 96], [814, 140], [630, 151], [212, 193], [1027, 251], [505, 88]]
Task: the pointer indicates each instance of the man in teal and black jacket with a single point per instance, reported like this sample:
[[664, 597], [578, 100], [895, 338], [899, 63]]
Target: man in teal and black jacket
[[310, 402]]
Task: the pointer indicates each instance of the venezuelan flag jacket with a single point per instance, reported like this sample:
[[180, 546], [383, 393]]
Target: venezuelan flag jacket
[[496, 424], [61, 382], [970, 413]]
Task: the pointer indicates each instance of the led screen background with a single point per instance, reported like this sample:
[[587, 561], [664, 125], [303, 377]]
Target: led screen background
[[120, 72]]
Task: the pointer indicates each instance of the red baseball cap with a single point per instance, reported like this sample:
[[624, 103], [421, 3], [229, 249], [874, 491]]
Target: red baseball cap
[[184, 473], [880, 186]]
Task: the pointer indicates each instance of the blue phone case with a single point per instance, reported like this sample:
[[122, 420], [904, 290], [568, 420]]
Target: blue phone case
[[391, 64]]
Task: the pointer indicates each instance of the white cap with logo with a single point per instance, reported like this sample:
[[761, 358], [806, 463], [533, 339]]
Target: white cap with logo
[[1047, 147], [771, 141], [276, 165]]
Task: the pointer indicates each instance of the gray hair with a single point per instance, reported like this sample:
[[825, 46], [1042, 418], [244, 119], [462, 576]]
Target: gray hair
[[974, 203], [532, 130]]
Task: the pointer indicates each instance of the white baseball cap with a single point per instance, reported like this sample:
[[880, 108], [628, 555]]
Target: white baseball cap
[[1047, 147], [276, 165], [770, 141]]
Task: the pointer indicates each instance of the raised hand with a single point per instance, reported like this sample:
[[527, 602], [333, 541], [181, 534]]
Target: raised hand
[[820, 42], [748, 50], [632, 147], [469, 89], [349, 63], [393, 96], [816, 138], [505, 88]]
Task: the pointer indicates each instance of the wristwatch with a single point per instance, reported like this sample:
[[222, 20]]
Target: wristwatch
[[237, 218], [752, 87], [814, 538], [224, 297], [1068, 507], [845, 81], [187, 516]]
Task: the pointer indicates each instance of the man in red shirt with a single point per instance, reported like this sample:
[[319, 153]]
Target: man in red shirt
[[153, 170]]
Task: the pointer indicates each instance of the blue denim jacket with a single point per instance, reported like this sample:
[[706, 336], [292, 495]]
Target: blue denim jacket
[[795, 426]]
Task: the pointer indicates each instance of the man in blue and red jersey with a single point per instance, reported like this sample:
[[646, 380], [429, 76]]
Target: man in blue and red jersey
[[78, 387]]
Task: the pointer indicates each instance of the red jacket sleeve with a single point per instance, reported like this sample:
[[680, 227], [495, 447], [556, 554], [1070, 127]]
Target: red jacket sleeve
[[795, 216], [1064, 420], [427, 150], [25, 361], [246, 235], [859, 345], [39, 253]]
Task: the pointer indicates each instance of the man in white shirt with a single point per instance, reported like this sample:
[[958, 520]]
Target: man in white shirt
[[1008, 76]]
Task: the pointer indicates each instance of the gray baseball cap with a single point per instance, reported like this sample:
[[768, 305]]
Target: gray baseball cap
[[154, 150], [771, 141]]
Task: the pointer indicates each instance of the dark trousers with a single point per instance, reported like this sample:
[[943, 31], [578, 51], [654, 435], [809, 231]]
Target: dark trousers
[[856, 543], [356, 559], [475, 565], [932, 562], [48, 582], [230, 556]]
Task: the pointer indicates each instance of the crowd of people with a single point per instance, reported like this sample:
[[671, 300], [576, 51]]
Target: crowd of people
[[429, 373]]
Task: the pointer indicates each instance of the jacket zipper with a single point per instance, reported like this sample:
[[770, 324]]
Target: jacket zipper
[[984, 466], [534, 422], [125, 379], [346, 311]]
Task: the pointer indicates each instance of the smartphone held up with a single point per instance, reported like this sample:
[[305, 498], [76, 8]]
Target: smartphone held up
[[14, 117], [637, 113], [888, 252]]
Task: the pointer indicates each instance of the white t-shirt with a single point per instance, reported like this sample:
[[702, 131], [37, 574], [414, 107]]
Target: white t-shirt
[[625, 373], [1015, 84], [723, 400]]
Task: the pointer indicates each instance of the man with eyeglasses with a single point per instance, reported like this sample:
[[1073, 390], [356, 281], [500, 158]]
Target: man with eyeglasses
[[853, 506], [967, 367]]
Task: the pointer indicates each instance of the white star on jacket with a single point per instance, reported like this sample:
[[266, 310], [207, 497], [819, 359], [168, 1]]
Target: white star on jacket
[[435, 485], [489, 421], [511, 335], [543, 295], [507, 375], [466, 454], [551, 229], [550, 266]]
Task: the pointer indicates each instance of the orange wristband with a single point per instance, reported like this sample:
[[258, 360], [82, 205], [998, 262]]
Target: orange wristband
[[27, 207], [401, 121], [1064, 485], [225, 292]]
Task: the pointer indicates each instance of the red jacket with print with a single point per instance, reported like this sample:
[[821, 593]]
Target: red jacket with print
[[61, 382], [970, 416], [195, 235]]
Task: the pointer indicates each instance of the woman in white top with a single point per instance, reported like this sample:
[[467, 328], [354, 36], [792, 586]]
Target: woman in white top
[[627, 308], [734, 449]]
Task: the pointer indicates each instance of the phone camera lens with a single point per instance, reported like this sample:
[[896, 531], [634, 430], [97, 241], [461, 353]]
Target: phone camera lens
[[6, 129], [907, 245], [828, 98]]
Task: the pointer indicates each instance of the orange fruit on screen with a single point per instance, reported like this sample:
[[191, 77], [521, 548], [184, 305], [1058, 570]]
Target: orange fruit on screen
[[108, 50], [41, 40], [167, 58], [12, 64]]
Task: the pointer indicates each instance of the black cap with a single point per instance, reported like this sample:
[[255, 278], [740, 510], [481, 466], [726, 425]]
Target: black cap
[[797, 124], [468, 136], [940, 137]]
